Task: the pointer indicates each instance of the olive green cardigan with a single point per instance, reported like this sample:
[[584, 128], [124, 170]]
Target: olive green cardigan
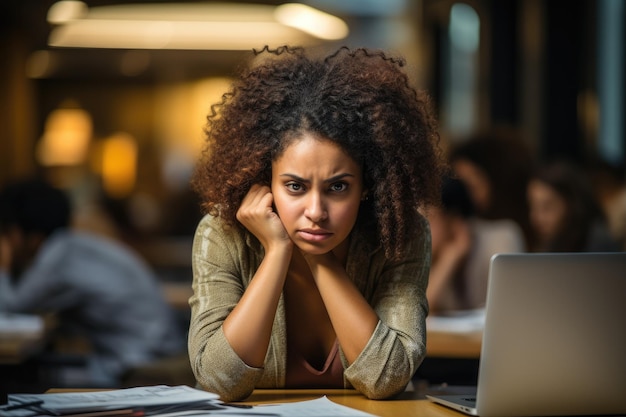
[[226, 259]]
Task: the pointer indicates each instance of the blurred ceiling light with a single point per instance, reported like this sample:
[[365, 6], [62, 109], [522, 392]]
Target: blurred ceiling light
[[312, 21], [66, 138], [219, 26], [65, 11], [137, 34]]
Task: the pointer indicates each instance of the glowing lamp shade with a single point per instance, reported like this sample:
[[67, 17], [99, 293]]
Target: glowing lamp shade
[[119, 165], [66, 138]]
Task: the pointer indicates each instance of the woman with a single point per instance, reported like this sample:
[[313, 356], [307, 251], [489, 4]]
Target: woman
[[311, 265], [495, 167], [564, 213], [462, 247]]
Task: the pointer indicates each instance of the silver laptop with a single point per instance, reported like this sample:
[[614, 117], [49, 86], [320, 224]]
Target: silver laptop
[[554, 341]]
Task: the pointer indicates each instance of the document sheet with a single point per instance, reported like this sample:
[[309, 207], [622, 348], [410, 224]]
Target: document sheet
[[161, 401]]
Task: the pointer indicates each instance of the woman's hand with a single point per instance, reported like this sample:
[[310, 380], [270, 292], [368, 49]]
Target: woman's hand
[[460, 241], [258, 216], [248, 328], [445, 267]]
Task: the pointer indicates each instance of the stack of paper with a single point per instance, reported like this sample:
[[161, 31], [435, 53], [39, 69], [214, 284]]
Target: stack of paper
[[137, 402], [160, 401]]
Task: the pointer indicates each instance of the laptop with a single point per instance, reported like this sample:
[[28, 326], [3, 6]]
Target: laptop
[[554, 341]]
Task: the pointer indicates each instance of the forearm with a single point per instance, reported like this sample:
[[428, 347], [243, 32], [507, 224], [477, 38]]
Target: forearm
[[387, 364], [442, 273], [248, 327], [353, 319], [34, 293], [218, 368], [440, 278]]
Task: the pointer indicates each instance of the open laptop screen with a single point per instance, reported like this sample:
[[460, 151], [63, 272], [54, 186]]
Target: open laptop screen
[[554, 341]]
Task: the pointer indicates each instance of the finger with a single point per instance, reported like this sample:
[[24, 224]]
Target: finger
[[257, 193], [257, 202]]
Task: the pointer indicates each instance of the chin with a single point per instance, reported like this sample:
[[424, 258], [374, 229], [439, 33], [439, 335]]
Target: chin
[[309, 249]]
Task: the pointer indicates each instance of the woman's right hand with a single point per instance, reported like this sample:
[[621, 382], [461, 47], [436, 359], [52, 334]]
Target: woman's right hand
[[257, 215], [248, 327]]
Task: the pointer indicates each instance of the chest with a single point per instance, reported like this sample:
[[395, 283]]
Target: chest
[[309, 328]]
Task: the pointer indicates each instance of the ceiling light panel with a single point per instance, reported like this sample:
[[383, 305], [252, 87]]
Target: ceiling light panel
[[218, 26]]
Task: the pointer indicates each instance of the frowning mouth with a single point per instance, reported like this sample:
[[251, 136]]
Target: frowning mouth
[[314, 235]]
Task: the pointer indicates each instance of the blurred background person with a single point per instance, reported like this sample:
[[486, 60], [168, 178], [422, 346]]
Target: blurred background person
[[462, 246], [495, 167], [564, 213], [96, 288], [609, 186]]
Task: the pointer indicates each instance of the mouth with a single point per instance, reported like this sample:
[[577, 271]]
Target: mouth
[[314, 235]]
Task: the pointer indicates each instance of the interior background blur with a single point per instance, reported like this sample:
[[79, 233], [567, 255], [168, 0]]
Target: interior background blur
[[108, 98]]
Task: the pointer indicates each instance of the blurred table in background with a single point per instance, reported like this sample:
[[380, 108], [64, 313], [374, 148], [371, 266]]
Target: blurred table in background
[[177, 294], [22, 336], [455, 335], [441, 344]]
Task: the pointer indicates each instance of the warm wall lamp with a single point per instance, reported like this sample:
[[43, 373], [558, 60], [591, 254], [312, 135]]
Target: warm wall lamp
[[203, 25], [66, 138], [119, 164]]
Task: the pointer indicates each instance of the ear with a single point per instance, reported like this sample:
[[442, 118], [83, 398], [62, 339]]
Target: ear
[[365, 195]]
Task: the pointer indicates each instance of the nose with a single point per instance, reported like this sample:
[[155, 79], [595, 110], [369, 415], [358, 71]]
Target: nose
[[315, 208]]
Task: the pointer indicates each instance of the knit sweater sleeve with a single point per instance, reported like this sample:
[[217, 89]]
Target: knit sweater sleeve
[[218, 284], [397, 292]]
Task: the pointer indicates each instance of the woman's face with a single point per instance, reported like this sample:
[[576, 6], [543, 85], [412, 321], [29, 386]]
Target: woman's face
[[547, 210], [317, 191], [476, 181]]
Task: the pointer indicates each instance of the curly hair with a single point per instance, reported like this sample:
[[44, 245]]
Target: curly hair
[[358, 98]]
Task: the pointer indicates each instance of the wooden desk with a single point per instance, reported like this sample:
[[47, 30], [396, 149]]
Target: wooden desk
[[408, 404], [15, 349], [440, 344]]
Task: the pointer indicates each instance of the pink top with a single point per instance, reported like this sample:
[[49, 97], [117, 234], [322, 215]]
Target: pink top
[[300, 373]]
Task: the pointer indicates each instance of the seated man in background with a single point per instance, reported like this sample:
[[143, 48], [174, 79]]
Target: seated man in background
[[97, 288]]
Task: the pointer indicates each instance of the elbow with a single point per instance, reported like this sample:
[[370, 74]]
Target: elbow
[[383, 391], [384, 385], [227, 395]]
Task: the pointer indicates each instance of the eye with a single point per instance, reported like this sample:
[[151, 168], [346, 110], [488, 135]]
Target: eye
[[338, 187], [294, 186]]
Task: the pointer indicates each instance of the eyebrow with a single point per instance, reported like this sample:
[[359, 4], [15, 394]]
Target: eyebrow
[[328, 180]]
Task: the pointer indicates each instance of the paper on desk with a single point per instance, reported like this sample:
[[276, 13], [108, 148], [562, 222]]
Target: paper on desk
[[464, 321], [320, 407], [73, 402]]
